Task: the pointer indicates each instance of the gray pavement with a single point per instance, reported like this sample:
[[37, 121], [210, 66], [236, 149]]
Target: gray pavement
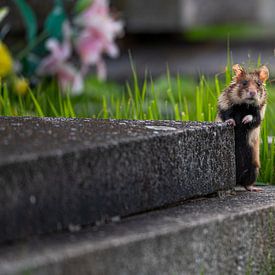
[[57, 174], [230, 235]]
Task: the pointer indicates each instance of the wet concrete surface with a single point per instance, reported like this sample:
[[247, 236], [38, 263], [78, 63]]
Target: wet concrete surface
[[230, 235], [59, 173]]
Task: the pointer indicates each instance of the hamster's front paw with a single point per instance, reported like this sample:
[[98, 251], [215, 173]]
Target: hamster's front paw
[[231, 122], [247, 119]]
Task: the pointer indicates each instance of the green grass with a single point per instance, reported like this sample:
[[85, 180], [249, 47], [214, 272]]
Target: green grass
[[220, 32], [166, 98]]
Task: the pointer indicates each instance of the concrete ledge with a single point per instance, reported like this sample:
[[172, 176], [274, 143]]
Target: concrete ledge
[[58, 173], [232, 235]]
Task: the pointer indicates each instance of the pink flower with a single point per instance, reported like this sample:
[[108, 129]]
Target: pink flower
[[59, 53], [69, 79], [99, 31], [56, 64]]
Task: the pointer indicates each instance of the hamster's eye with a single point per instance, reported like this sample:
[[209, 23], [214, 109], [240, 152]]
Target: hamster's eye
[[259, 83], [244, 82]]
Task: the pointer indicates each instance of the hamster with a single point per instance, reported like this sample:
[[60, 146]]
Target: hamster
[[243, 106]]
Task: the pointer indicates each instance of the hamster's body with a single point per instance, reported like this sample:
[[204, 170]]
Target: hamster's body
[[243, 105]]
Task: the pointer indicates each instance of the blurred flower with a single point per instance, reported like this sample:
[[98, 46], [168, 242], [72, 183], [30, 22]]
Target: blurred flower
[[59, 53], [99, 31], [5, 60], [69, 78], [21, 86], [56, 63]]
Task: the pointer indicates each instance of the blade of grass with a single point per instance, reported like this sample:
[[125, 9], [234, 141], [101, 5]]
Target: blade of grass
[[36, 104]]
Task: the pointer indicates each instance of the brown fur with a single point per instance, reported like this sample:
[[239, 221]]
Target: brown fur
[[233, 94], [256, 152], [237, 93]]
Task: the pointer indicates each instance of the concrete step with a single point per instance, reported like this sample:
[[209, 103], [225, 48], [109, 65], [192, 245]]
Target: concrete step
[[57, 174], [230, 235]]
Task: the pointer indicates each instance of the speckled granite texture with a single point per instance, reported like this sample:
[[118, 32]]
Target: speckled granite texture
[[210, 236], [57, 173]]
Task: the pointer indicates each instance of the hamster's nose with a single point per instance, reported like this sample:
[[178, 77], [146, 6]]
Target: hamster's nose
[[252, 93]]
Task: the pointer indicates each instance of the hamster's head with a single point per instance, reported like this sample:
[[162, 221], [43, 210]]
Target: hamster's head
[[250, 86]]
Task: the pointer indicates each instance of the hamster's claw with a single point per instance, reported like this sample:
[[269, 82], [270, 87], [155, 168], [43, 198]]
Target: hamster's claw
[[231, 122], [252, 188]]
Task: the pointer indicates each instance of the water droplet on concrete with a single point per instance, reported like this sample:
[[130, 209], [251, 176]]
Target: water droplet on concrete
[[32, 199], [161, 128]]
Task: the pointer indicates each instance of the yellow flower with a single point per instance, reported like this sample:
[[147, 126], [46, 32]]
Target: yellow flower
[[21, 86], [5, 60]]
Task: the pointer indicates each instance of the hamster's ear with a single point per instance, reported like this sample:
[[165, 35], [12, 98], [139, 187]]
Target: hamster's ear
[[263, 73], [238, 70]]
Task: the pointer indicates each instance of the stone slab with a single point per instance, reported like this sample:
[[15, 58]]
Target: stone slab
[[58, 173], [230, 235]]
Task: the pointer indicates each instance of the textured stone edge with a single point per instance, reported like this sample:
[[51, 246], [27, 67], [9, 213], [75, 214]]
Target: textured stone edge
[[232, 235], [42, 202]]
